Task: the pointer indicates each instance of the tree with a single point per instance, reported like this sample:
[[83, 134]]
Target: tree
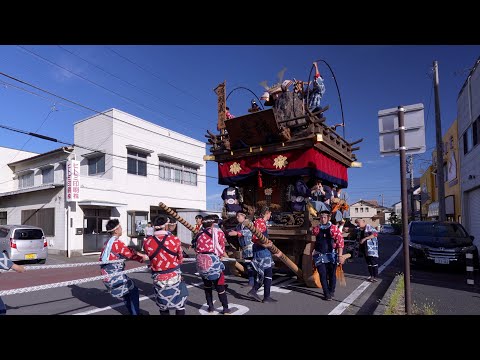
[[394, 219], [396, 223]]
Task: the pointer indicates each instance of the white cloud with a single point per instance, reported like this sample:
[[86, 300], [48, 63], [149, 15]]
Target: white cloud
[[62, 75]]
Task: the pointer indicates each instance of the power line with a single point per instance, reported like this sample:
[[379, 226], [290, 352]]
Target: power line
[[98, 85], [126, 157], [90, 109], [151, 73], [50, 100], [28, 140], [79, 146], [127, 82]]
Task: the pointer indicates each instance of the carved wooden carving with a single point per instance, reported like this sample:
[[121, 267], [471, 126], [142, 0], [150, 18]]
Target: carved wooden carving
[[220, 91]]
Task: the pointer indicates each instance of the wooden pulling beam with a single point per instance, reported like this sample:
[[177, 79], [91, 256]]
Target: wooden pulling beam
[[182, 221], [274, 250], [177, 217]]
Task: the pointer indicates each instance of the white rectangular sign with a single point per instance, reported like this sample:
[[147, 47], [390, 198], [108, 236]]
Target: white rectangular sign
[[72, 180], [414, 130]]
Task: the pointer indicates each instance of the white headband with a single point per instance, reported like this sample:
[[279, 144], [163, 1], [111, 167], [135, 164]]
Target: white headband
[[115, 228], [163, 226]]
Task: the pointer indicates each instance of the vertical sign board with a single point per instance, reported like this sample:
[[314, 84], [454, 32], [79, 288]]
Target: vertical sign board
[[72, 180], [222, 105], [414, 130]]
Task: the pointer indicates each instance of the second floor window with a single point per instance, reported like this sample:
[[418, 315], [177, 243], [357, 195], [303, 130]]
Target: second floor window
[[47, 175], [25, 180], [96, 165], [137, 163], [176, 172], [471, 136]]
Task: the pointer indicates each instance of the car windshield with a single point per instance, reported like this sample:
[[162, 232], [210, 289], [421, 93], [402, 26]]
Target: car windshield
[[438, 230], [28, 234]]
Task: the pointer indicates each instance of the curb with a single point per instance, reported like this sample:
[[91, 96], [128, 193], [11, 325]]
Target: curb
[[382, 306]]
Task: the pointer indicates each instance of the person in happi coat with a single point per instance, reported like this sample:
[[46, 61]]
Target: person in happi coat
[[245, 241], [262, 261], [198, 229], [210, 248], [120, 286], [327, 253], [367, 238], [7, 264], [165, 253], [317, 92]]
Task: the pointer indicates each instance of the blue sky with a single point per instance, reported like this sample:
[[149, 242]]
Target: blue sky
[[176, 92]]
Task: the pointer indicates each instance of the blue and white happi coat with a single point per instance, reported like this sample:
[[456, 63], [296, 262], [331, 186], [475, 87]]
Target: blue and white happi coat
[[120, 285], [371, 244], [209, 266], [5, 264], [171, 293], [319, 258], [245, 241], [262, 260], [327, 257]]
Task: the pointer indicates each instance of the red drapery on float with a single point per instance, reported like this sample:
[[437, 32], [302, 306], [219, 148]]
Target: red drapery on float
[[289, 163]]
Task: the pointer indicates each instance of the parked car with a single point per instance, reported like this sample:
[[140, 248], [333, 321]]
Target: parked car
[[23, 242], [444, 243], [387, 229]]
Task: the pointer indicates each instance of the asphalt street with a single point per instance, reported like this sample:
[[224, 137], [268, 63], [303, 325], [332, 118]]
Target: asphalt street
[[294, 298]]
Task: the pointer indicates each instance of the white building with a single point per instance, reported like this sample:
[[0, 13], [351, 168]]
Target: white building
[[7, 184], [370, 211], [468, 116], [127, 166]]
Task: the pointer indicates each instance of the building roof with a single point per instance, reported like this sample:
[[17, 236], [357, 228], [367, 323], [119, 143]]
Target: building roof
[[113, 117], [372, 203], [59, 150], [31, 189]]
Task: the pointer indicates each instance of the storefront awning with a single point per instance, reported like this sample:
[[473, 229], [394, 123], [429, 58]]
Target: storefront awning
[[99, 203], [433, 209]]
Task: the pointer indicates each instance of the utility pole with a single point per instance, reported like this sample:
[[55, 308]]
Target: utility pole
[[403, 189], [412, 199], [382, 199], [438, 125]]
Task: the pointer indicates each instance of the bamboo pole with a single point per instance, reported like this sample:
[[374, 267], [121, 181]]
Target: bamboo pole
[[184, 222], [274, 250]]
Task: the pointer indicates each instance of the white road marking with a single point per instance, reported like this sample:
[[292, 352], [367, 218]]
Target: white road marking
[[340, 308], [279, 289], [241, 309], [93, 311]]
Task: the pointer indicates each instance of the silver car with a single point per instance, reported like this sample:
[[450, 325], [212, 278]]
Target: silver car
[[23, 242], [387, 229]]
